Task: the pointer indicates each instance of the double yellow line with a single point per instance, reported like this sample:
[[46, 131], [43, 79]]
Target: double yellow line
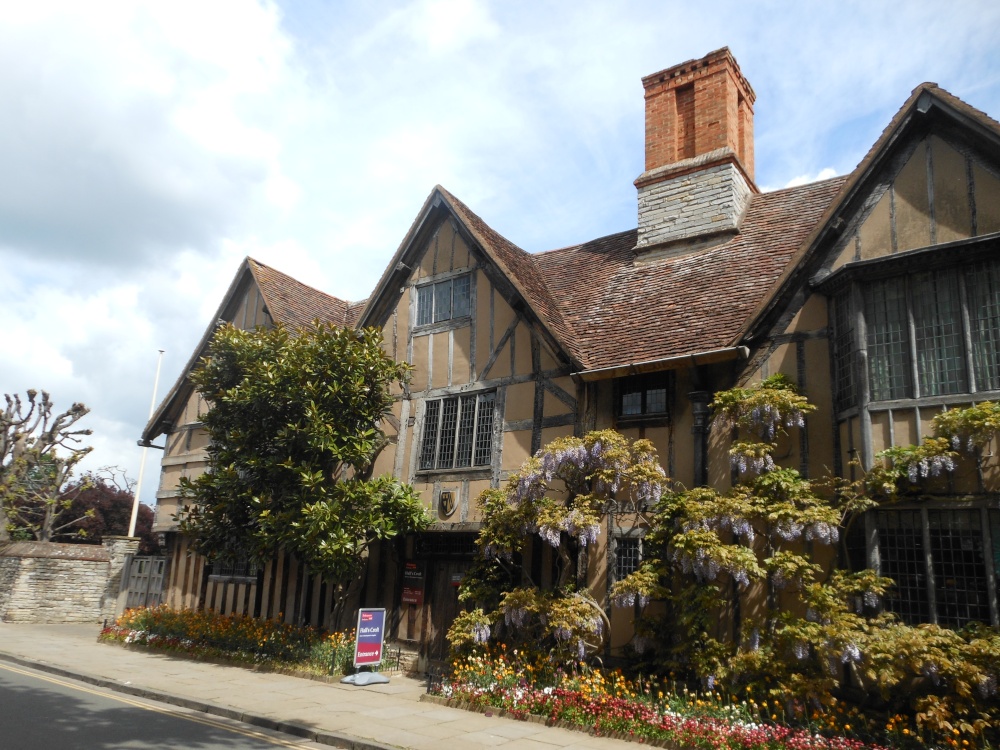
[[166, 712]]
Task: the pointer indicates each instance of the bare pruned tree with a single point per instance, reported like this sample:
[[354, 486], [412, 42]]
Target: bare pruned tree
[[38, 452]]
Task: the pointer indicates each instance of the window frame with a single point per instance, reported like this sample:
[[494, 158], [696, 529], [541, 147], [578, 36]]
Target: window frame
[[642, 385], [432, 293], [242, 570], [973, 333], [926, 568], [626, 539], [466, 437]]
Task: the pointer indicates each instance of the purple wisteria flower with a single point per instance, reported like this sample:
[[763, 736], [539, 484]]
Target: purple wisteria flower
[[515, 616], [986, 686], [563, 633], [480, 632], [822, 532], [551, 535], [851, 654], [788, 530]]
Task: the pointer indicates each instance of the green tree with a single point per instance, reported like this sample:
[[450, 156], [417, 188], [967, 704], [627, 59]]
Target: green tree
[[817, 629], [38, 452], [294, 426], [101, 505]]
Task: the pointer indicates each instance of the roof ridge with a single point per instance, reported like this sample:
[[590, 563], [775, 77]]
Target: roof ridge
[[581, 244], [254, 261]]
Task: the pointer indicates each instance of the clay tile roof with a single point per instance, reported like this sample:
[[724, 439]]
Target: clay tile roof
[[354, 310], [293, 303], [522, 270], [625, 311]]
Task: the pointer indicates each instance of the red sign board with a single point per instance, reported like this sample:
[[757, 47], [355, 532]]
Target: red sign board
[[413, 584], [370, 633]]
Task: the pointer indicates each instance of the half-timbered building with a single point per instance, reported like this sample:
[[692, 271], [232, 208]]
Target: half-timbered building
[[877, 293]]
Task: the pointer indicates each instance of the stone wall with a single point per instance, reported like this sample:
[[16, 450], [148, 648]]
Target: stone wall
[[708, 200], [44, 582]]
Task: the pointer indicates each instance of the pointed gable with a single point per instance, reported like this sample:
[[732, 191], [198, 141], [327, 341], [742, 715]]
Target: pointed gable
[[258, 295], [932, 178], [293, 303], [517, 267]]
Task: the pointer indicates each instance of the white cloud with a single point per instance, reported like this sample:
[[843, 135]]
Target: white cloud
[[147, 148]]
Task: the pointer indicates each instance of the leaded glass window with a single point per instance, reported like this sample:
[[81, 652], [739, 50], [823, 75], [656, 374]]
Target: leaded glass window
[[888, 339], [901, 552], [458, 432], [922, 333], [937, 325], [960, 583], [939, 560], [444, 300], [843, 351], [982, 282], [644, 395], [628, 556]]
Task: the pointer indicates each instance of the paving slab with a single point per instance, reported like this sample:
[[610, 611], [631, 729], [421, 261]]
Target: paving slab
[[374, 717]]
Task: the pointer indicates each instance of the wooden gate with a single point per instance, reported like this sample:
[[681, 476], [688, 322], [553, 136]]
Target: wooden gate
[[145, 581]]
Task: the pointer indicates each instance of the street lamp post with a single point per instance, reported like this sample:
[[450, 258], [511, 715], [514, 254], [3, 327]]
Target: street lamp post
[[145, 449]]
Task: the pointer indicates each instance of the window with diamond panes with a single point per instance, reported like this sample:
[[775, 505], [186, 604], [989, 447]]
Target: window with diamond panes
[[628, 555], [458, 432], [444, 300]]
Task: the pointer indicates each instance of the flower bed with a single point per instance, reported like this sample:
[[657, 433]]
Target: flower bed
[[235, 638], [609, 704]]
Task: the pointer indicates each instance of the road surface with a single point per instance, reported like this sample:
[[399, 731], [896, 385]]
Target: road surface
[[40, 711]]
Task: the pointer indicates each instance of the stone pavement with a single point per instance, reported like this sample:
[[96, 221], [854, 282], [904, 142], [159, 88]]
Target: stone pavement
[[372, 717]]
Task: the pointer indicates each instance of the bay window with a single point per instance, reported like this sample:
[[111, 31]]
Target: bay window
[[926, 334]]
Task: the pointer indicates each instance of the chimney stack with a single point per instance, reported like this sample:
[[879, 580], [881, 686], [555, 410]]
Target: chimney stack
[[699, 152]]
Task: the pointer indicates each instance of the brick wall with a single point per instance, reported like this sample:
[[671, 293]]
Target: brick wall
[[697, 107]]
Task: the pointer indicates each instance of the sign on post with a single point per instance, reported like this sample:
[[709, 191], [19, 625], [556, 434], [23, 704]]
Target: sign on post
[[370, 632], [413, 584]]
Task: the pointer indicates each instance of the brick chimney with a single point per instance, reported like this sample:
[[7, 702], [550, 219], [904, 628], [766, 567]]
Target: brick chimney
[[699, 153]]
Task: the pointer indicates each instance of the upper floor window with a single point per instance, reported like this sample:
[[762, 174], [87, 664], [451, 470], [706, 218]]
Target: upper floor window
[[444, 300], [926, 334], [458, 432], [644, 395]]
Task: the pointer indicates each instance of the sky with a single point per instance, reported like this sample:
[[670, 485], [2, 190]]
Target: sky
[[146, 148]]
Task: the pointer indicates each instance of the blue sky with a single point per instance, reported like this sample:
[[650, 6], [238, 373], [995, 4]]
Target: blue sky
[[148, 147]]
